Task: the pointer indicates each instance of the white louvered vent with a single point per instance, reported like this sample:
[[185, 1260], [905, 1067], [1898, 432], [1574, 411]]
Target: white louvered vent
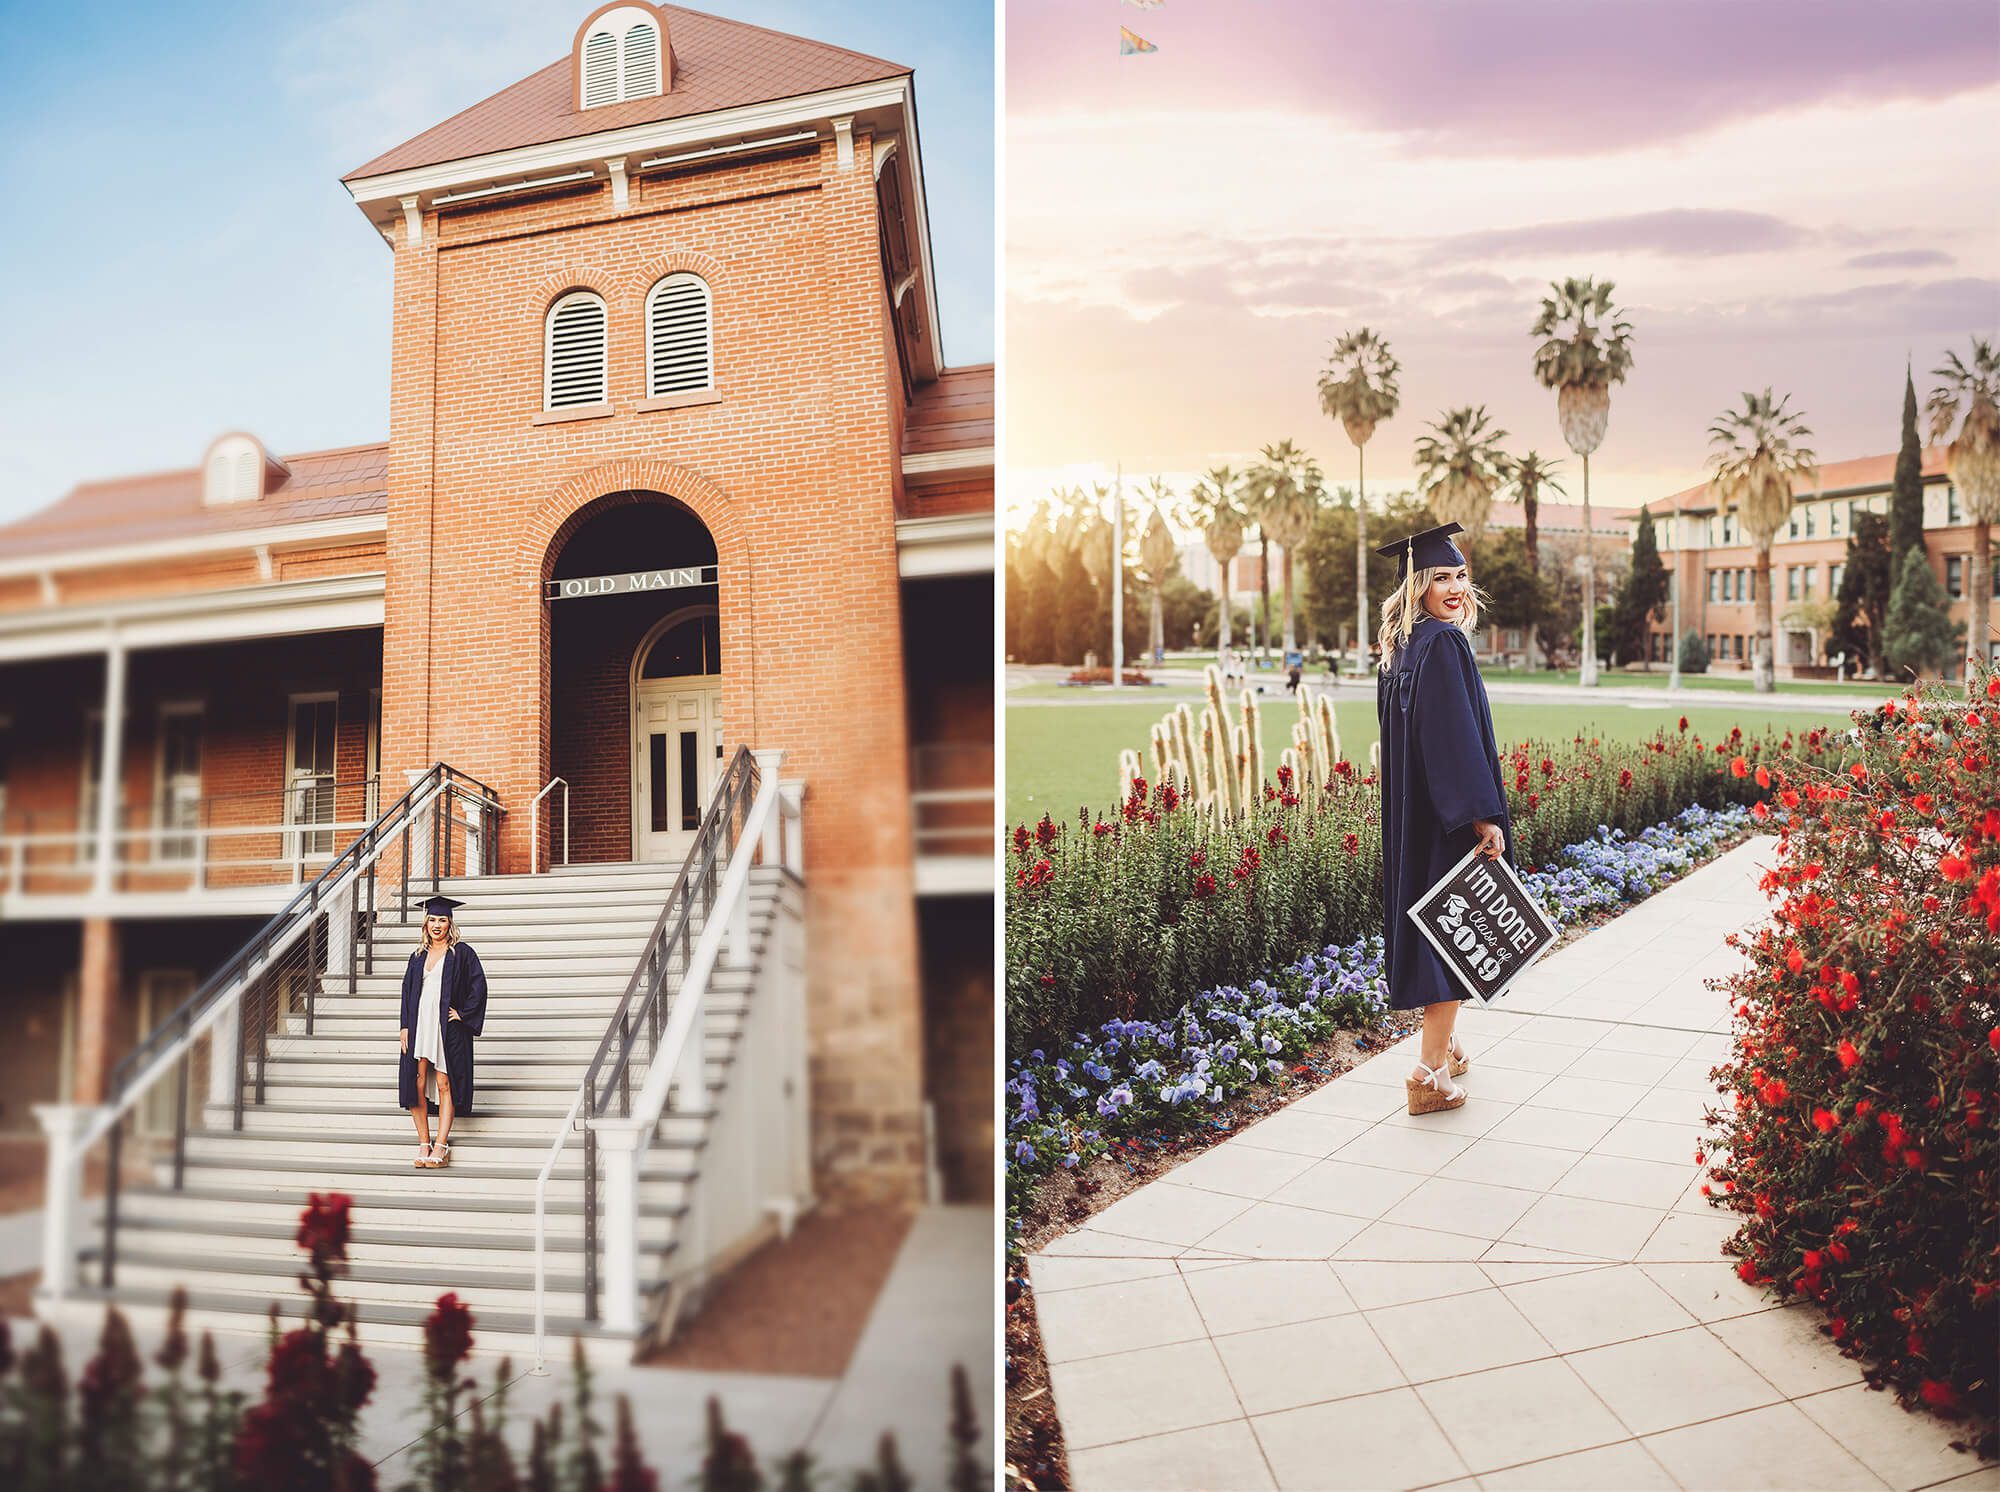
[[622, 57], [576, 351], [234, 471], [679, 354], [642, 61], [600, 69]]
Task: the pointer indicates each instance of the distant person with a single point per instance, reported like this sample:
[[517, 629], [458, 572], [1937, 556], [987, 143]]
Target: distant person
[[1441, 788], [1293, 675], [444, 1007]]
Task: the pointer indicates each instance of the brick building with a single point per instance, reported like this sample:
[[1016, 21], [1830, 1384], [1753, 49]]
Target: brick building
[[1708, 554], [673, 467]]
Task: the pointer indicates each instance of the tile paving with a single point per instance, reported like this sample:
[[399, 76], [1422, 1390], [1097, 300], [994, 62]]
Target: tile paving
[[1523, 1293]]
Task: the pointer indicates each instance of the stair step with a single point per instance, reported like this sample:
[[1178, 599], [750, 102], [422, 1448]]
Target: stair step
[[476, 1153], [499, 1220]]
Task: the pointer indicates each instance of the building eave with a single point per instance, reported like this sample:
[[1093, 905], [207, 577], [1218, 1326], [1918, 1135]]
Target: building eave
[[273, 536], [954, 544], [285, 608]]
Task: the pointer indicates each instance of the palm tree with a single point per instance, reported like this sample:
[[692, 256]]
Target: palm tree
[[1527, 476], [1289, 488], [1581, 369], [1159, 551], [1358, 388], [1973, 461], [1757, 454], [1459, 467], [1222, 523]]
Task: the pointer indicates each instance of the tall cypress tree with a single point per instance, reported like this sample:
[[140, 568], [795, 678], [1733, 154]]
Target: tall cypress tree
[[1906, 507], [1644, 589]]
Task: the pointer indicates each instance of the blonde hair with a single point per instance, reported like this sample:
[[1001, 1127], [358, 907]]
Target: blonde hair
[[1401, 610], [451, 936]]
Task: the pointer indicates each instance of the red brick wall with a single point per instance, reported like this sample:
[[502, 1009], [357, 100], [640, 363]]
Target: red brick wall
[[793, 472]]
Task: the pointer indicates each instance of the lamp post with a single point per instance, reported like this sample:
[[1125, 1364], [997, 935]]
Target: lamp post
[[1118, 580], [1674, 590]]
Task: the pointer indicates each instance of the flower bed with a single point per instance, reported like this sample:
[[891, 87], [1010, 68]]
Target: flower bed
[[1134, 1076], [1860, 1145], [1103, 676], [1117, 917]]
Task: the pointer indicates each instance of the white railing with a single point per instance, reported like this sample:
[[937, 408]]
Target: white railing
[[770, 835], [216, 1013], [535, 826]]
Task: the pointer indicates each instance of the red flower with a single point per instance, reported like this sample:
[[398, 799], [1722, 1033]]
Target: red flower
[[1955, 868], [1739, 767], [1204, 886], [1923, 803], [1020, 839], [1684, 724], [1789, 798], [1849, 1057], [1938, 1395], [1045, 831], [1826, 1121], [1276, 835], [447, 1335], [1196, 859], [1351, 843], [323, 1225], [1859, 771], [1759, 812], [1763, 776], [1624, 777]]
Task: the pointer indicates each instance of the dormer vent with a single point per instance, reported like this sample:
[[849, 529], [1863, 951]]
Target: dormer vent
[[622, 54], [239, 470]]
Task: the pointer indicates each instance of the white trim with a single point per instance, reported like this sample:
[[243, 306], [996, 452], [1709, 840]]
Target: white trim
[[413, 222], [282, 609], [843, 142], [512, 186], [958, 544], [769, 142], [145, 551], [885, 151], [685, 683], [572, 374], [621, 188], [636, 139], [647, 311], [972, 458], [954, 875]]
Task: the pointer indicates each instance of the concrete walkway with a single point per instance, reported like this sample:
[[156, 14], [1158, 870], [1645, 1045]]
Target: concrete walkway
[[1522, 1293], [934, 1309]]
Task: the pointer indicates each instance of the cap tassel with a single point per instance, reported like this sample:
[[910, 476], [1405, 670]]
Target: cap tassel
[[1409, 592]]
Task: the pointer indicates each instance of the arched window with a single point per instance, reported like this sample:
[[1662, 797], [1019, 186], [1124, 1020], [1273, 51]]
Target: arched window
[[575, 354], [621, 57], [234, 471], [688, 649], [679, 345]]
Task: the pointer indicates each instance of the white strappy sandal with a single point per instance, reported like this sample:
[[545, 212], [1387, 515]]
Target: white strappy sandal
[[1434, 1091], [423, 1156], [1456, 1057]]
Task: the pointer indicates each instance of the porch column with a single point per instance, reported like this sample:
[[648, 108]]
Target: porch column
[[62, 1205], [97, 1003], [618, 1143], [110, 763]]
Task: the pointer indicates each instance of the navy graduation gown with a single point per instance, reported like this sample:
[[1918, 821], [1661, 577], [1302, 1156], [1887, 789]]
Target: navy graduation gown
[[463, 989], [1440, 776]]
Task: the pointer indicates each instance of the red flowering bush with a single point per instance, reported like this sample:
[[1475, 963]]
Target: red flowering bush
[[1860, 1141]]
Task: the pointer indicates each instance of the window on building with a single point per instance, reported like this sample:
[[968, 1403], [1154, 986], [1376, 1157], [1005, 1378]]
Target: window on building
[[1809, 523], [680, 353], [1954, 511], [1834, 575], [1791, 582], [1806, 573], [1833, 519], [1749, 585], [621, 58], [1792, 527], [309, 769], [179, 787], [576, 352], [1954, 576], [1714, 585]]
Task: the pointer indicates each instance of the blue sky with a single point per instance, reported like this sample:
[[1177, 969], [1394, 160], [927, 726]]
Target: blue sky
[[180, 258]]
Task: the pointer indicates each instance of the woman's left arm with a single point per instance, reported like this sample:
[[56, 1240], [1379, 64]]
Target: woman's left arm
[[1445, 714], [472, 996]]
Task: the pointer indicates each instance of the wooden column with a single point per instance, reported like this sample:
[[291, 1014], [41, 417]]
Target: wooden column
[[97, 1009]]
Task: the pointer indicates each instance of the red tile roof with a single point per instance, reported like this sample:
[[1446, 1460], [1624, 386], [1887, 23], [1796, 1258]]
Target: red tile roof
[[718, 64], [953, 413], [167, 505], [1558, 517], [1834, 476]]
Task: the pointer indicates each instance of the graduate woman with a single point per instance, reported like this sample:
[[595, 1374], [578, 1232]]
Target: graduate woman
[[1441, 789], [444, 1007]]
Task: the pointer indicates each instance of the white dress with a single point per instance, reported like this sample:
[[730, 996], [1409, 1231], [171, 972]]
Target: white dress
[[427, 1042]]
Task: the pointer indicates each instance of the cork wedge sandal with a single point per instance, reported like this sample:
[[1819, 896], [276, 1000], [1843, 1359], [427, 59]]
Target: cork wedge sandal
[[1434, 1092], [1456, 1057]]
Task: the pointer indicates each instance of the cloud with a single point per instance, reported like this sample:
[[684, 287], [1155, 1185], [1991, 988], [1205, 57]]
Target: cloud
[[1677, 231], [1547, 77], [1901, 259]]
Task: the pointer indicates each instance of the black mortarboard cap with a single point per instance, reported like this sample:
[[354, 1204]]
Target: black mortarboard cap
[[440, 906], [1431, 549]]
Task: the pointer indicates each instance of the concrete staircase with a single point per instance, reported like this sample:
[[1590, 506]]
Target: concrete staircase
[[558, 950]]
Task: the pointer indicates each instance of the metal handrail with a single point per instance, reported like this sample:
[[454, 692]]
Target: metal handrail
[[535, 825], [171, 1041], [738, 786]]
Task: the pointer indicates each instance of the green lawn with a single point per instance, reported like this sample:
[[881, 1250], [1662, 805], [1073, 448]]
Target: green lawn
[[1059, 757]]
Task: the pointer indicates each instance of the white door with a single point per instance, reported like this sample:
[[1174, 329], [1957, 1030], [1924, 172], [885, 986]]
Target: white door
[[677, 756]]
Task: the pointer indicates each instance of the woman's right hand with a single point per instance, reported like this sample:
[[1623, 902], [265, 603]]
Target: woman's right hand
[[406, 1041], [1489, 841]]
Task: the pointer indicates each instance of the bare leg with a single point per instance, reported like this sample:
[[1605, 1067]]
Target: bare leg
[[1439, 1019], [444, 1108], [421, 1110]]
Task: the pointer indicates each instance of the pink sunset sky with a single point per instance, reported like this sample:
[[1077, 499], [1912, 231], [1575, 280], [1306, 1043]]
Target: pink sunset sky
[[1798, 194]]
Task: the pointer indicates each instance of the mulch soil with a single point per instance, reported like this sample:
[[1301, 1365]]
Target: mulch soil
[[797, 1305], [1037, 1460]]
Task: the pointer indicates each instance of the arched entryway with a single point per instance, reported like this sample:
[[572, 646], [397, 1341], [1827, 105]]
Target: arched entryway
[[635, 675]]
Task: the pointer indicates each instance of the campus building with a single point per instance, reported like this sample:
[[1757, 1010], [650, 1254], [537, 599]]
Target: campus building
[[674, 467], [1708, 554]]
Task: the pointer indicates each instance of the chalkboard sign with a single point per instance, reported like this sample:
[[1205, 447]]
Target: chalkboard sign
[[1484, 925]]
